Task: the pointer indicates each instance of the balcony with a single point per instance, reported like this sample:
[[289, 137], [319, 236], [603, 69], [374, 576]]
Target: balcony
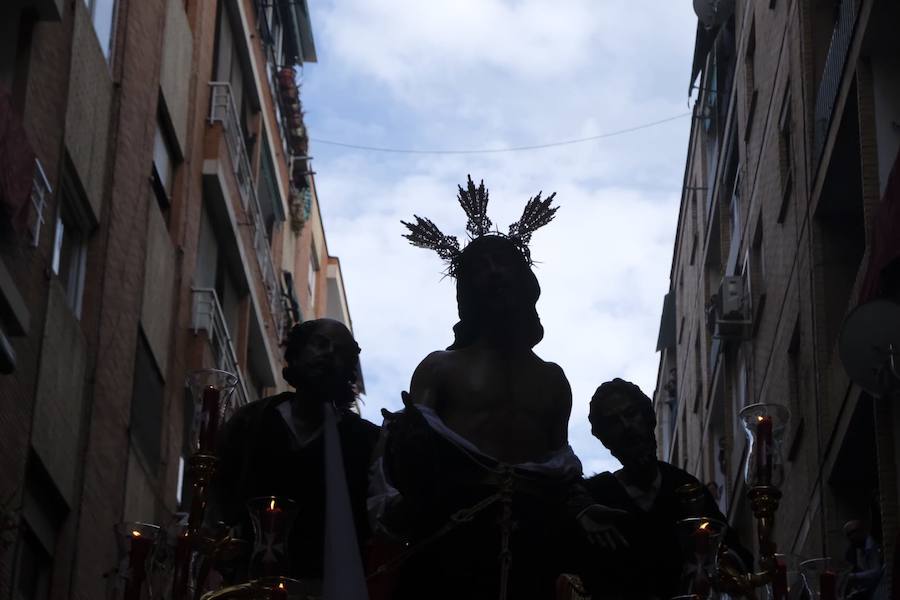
[[40, 191], [223, 111], [832, 75], [207, 316]]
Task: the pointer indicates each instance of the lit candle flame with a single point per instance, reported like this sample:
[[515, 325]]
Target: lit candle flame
[[704, 525], [272, 504], [280, 585], [760, 418], [136, 533]]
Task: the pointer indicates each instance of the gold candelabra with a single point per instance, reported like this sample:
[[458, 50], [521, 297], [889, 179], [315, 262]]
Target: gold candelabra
[[153, 566], [764, 426]]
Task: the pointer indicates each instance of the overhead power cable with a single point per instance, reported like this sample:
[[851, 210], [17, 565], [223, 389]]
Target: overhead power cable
[[499, 150]]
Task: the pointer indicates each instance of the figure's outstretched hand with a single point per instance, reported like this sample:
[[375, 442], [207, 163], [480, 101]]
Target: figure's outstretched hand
[[407, 401], [599, 524]]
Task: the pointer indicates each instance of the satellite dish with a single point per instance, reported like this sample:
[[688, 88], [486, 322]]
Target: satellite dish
[[870, 345], [713, 13]]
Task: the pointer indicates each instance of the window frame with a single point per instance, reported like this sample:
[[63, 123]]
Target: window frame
[[106, 48], [163, 184], [73, 281]]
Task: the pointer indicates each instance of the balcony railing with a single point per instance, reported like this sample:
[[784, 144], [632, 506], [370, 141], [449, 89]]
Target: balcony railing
[[832, 75], [208, 316], [40, 191], [223, 110]]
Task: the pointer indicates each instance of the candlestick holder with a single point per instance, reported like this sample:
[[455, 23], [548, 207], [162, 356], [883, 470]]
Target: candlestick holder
[[216, 548], [821, 578], [137, 544], [700, 539], [212, 391], [765, 425], [267, 588], [272, 518], [787, 577]]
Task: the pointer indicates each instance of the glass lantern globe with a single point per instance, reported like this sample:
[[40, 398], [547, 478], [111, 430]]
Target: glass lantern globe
[[212, 392], [765, 426]]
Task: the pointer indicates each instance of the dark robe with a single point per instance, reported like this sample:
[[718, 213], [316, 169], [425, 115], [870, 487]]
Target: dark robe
[[437, 479], [652, 565], [260, 456]]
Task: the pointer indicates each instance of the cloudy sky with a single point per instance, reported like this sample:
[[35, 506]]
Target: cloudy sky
[[488, 74]]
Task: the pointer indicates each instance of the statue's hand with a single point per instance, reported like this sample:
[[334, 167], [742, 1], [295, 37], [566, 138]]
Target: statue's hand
[[599, 524], [408, 453]]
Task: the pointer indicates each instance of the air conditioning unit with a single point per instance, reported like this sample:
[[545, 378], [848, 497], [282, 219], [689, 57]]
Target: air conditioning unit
[[731, 309]]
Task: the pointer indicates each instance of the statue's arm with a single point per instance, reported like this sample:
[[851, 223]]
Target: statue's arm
[[425, 385]]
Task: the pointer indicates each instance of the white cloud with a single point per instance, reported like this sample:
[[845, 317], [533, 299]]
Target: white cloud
[[488, 73]]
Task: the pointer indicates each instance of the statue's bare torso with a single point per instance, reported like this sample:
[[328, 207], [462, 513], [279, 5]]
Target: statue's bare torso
[[512, 405]]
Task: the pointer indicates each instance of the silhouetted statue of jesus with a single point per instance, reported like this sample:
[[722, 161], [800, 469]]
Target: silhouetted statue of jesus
[[480, 455], [490, 387]]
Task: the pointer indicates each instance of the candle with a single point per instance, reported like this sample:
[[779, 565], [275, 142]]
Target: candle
[[279, 592], [272, 517], [140, 550], [764, 452], [701, 539], [828, 585], [209, 420]]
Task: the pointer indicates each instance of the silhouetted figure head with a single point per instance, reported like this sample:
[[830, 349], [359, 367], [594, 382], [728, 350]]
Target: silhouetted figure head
[[856, 533], [622, 418], [321, 357], [496, 294]]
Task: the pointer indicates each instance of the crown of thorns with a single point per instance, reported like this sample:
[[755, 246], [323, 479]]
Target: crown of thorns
[[425, 234]]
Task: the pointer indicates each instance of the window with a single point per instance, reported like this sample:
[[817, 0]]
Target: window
[[267, 191], [70, 248], [103, 15], [145, 424], [179, 487], [785, 155], [163, 168], [795, 400], [738, 388], [698, 371], [43, 514], [751, 94], [229, 70], [755, 274], [276, 31], [312, 275], [268, 16], [736, 226]]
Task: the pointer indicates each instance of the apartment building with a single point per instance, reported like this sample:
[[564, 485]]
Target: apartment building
[[790, 184], [158, 214]]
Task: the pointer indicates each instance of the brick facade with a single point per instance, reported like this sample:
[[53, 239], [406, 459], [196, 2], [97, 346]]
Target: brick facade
[[82, 446], [789, 212]]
